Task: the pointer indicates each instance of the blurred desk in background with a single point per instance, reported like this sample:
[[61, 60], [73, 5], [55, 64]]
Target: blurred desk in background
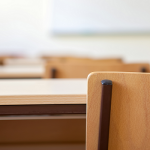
[[28, 71], [24, 61]]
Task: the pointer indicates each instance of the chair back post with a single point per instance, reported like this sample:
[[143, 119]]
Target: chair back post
[[143, 69], [105, 115], [53, 73]]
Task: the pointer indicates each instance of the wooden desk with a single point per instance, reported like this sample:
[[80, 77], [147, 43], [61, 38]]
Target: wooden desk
[[24, 61], [45, 91], [21, 71], [47, 96], [50, 99]]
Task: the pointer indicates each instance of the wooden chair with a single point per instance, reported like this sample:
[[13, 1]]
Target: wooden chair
[[73, 70], [118, 114], [82, 60], [91, 61], [5, 57]]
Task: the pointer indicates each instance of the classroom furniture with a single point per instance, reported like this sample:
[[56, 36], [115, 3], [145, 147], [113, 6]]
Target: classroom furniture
[[24, 61], [4, 57], [90, 60], [82, 59], [45, 91], [21, 71], [118, 111], [74, 70], [48, 113]]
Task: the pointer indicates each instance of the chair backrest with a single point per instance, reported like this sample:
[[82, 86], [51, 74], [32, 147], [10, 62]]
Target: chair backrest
[[83, 60], [129, 127], [75, 70], [92, 61]]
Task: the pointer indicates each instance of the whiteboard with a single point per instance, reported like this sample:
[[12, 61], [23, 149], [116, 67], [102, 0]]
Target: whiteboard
[[101, 16]]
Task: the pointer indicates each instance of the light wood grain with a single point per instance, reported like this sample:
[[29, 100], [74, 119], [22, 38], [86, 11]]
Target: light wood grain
[[43, 131], [43, 117], [74, 70], [130, 113], [56, 146], [43, 91], [22, 71]]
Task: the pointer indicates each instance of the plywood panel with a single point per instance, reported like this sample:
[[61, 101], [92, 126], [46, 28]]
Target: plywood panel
[[130, 113], [38, 131], [47, 146]]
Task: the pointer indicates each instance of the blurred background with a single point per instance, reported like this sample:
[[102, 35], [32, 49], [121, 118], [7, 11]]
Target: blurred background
[[43, 39], [32, 28]]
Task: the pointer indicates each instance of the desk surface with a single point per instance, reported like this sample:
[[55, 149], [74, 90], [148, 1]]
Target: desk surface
[[43, 91], [24, 61], [22, 71]]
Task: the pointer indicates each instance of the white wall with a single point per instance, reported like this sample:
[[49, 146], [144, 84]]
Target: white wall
[[24, 29]]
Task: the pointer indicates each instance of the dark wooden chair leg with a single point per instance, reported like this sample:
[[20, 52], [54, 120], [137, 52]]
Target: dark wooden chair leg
[[105, 115], [143, 69], [53, 73]]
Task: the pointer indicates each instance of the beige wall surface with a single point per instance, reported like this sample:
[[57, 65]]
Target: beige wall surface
[[25, 28]]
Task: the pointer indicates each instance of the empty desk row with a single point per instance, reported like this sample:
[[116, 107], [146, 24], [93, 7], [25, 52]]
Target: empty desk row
[[117, 105], [64, 67]]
